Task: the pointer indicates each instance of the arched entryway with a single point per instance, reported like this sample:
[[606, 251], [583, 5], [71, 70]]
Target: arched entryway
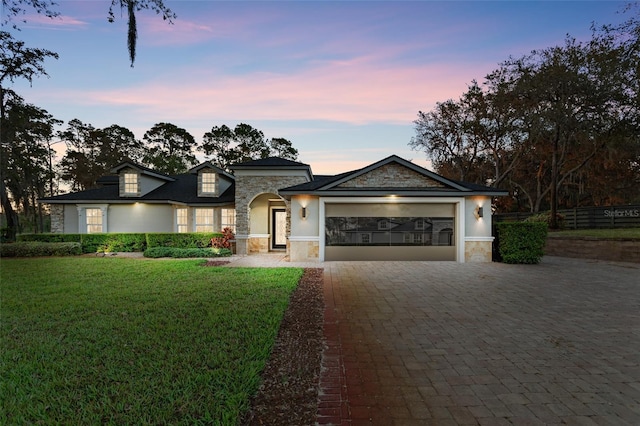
[[268, 223]]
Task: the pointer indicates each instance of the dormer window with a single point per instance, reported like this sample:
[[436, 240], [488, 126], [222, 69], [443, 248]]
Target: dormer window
[[208, 182], [131, 184], [383, 224]]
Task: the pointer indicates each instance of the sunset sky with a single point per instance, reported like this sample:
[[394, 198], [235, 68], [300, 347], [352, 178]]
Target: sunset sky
[[342, 80]]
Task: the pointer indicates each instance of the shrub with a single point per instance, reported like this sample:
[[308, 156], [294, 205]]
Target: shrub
[[51, 238], [225, 240], [156, 252], [546, 218], [35, 248], [521, 242], [5, 235], [181, 240], [124, 242]]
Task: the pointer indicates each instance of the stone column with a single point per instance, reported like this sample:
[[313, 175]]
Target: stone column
[[57, 218]]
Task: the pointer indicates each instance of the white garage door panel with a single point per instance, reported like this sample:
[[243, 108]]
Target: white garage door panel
[[390, 210], [390, 253]]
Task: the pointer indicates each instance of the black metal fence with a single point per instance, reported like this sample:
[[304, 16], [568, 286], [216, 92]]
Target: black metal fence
[[588, 217]]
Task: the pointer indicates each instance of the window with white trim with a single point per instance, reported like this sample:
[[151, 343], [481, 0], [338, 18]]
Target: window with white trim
[[182, 219], [365, 238], [208, 183], [228, 219], [94, 220], [204, 220], [131, 183]]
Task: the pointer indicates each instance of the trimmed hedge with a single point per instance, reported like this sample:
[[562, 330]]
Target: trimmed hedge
[[521, 242], [156, 252], [36, 248], [182, 240], [122, 242], [94, 243], [50, 238], [127, 242], [109, 243]]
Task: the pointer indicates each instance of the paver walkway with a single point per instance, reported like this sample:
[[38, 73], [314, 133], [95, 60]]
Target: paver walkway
[[444, 343]]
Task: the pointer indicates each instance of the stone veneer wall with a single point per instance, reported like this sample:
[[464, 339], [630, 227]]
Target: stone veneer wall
[[258, 245], [247, 188], [391, 176], [304, 251], [621, 250], [57, 218], [478, 251]]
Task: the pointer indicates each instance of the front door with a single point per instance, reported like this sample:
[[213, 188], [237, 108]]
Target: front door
[[278, 229]]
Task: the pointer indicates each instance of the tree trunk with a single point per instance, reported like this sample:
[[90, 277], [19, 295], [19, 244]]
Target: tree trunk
[[10, 213], [553, 223]]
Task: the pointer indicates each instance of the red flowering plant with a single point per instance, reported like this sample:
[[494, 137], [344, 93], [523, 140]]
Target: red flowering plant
[[225, 240]]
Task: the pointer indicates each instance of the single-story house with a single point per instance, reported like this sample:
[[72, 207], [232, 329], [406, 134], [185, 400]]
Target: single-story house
[[390, 210]]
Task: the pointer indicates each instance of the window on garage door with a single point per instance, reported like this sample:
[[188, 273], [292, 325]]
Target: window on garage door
[[399, 224], [389, 231]]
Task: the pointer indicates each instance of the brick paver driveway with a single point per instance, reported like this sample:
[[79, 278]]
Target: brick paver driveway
[[446, 343]]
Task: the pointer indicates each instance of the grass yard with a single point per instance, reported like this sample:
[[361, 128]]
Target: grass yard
[[129, 341], [599, 233]]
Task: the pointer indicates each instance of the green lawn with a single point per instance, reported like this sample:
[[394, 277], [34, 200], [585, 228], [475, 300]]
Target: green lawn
[[129, 341], [600, 233]]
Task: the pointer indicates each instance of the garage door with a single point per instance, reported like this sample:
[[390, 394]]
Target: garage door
[[402, 231]]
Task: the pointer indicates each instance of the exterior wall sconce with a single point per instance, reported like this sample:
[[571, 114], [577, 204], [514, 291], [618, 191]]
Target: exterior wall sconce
[[478, 212], [304, 212]]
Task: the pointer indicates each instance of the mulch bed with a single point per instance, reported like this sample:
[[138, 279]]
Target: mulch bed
[[217, 262], [288, 394]]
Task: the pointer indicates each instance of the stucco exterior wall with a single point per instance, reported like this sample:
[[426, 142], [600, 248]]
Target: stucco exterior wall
[[259, 213], [477, 227], [309, 226], [140, 217], [478, 239], [304, 241], [71, 219]]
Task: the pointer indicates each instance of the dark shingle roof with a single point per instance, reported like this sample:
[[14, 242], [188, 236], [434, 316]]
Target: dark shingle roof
[[269, 162], [182, 189], [143, 169], [185, 189]]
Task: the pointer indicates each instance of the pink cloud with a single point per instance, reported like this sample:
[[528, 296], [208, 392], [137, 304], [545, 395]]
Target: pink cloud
[[59, 22], [356, 91], [182, 31], [156, 32]]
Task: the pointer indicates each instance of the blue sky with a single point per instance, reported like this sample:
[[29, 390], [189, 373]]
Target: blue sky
[[342, 80]]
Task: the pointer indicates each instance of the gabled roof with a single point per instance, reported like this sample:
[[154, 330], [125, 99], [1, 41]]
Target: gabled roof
[[209, 165], [417, 181], [142, 169]]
